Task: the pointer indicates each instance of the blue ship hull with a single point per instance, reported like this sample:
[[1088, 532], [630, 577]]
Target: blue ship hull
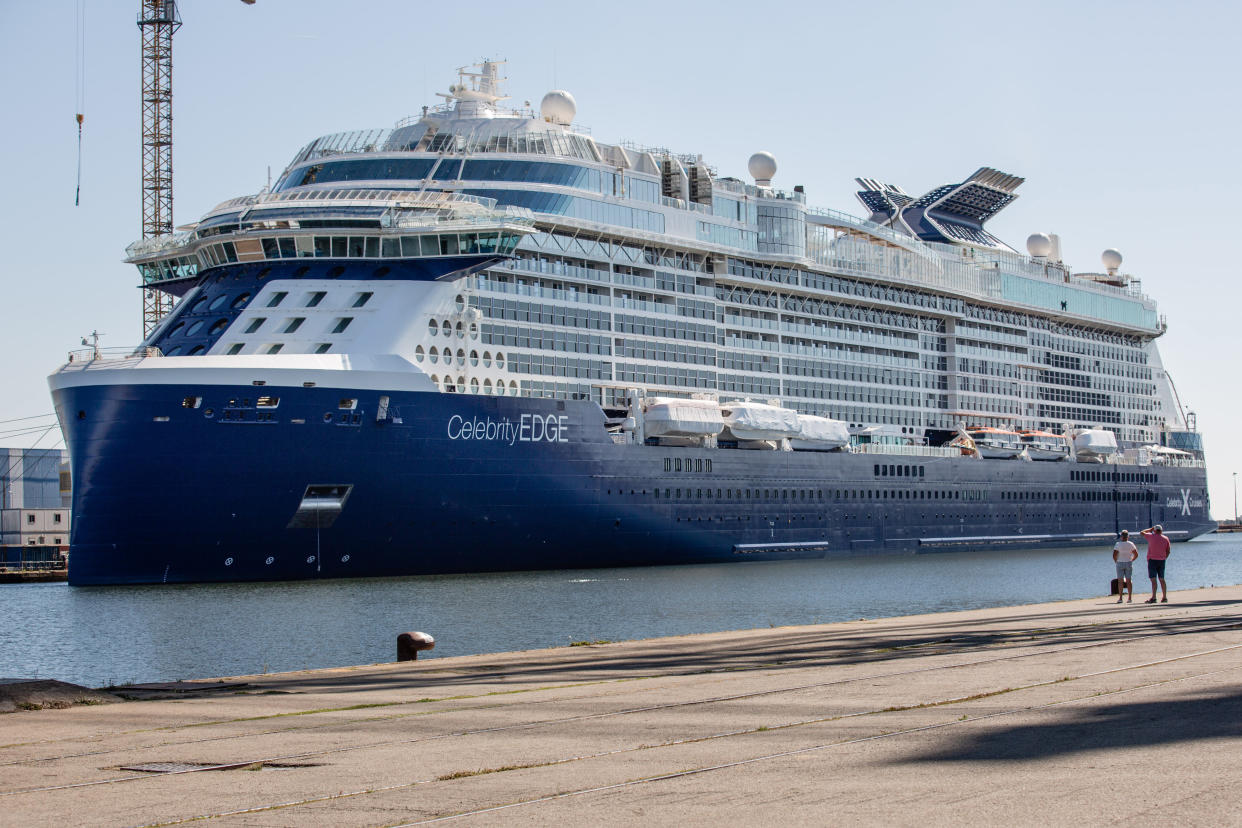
[[441, 483]]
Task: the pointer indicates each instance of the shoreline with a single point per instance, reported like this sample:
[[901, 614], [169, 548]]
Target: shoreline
[[881, 720]]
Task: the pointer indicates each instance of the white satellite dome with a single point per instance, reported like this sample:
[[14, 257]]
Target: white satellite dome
[[1111, 259], [1039, 245], [762, 166], [558, 107]]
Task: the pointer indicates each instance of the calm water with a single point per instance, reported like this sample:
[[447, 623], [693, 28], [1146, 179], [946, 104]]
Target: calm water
[[105, 635]]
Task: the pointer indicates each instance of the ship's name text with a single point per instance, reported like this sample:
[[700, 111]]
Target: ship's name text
[[530, 428]]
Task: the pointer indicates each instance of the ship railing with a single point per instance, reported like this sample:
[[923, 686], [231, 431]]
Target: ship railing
[[907, 451], [113, 354], [539, 292], [751, 344]]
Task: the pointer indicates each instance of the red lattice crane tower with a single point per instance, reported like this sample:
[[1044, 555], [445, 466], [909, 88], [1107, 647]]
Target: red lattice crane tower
[[158, 21]]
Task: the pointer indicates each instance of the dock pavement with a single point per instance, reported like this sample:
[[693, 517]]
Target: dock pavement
[[1075, 712]]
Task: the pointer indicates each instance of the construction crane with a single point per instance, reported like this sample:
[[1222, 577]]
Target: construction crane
[[158, 20]]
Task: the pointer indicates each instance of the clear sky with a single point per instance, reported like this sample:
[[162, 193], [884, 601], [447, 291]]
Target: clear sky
[[1123, 117]]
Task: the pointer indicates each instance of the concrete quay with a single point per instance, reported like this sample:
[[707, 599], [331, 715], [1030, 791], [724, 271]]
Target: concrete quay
[[1076, 712]]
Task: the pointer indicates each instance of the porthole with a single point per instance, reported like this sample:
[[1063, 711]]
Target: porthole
[[446, 327], [461, 302], [218, 302], [198, 306], [270, 560], [344, 559], [310, 558], [474, 385], [461, 330], [219, 325], [174, 330], [513, 388], [228, 561], [487, 359], [461, 384], [474, 330], [240, 301], [487, 386], [419, 354], [433, 327], [461, 357], [500, 361], [195, 328], [474, 358], [434, 354], [448, 383]]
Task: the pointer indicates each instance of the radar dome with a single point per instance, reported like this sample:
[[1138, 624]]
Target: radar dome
[[1111, 259], [558, 107], [1039, 245], [762, 167]]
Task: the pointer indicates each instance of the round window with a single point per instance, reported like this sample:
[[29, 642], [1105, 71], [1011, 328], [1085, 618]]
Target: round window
[[513, 388], [461, 302], [195, 328], [461, 330], [433, 328], [487, 359], [219, 325], [240, 301], [474, 331], [474, 358], [419, 353], [461, 357], [448, 327], [435, 355], [474, 385], [218, 302], [500, 361]]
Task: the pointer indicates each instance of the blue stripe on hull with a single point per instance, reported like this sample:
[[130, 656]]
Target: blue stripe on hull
[[525, 484]]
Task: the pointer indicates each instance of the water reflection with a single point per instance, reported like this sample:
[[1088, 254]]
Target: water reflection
[[104, 635]]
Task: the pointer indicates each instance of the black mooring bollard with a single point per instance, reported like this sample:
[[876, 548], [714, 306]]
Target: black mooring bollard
[[409, 643]]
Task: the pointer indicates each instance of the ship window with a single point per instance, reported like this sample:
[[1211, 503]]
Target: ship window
[[487, 386], [668, 464], [218, 302], [448, 244], [474, 358], [340, 246], [274, 349], [276, 298], [434, 355], [347, 404], [315, 298], [433, 327], [173, 351], [220, 324], [372, 247], [342, 324], [235, 348], [709, 464], [191, 402], [430, 245], [500, 363], [356, 247], [267, 402], [195, 328], [323, 347], [474, 385], [420, 354], [255, 324], [391, 247], [361, 299], [197, 349], [294, 324], [487, 359], [241, 300], [677, 464], [461, 330]]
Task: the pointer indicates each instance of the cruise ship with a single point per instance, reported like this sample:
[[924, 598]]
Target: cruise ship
[[485, 340]]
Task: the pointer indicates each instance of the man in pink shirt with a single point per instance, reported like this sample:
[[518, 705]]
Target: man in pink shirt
[[1157, 554]]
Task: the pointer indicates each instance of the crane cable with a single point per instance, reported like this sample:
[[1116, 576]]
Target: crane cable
[[80, 82]]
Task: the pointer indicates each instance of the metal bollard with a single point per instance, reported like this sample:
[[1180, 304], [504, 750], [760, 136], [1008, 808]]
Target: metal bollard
[[409, 643]]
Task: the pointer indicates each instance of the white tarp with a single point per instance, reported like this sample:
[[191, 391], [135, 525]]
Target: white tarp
[[1095, 441], [756, 421], [671, 417], [820, 433]]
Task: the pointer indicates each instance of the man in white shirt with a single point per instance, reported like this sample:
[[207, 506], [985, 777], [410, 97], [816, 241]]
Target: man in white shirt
[[1124, 554]]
